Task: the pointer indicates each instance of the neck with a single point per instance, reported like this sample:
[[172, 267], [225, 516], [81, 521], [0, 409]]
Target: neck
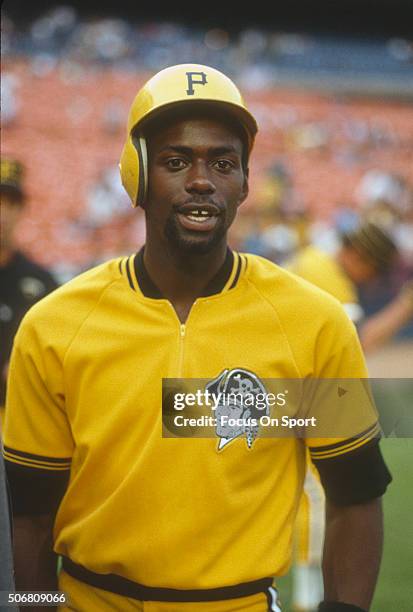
[[182, 277]]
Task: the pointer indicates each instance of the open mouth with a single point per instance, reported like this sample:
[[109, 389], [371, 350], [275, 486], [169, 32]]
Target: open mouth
[[198, 217]]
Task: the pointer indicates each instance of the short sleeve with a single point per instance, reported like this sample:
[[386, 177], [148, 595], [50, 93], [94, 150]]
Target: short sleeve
[[38, 444], [344, 444]]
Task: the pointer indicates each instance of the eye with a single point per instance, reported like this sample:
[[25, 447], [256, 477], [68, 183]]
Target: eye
[[224, 165], [175, 163]]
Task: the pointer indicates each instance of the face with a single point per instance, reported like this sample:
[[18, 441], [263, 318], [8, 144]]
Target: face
[[360, 269], [196, 183]]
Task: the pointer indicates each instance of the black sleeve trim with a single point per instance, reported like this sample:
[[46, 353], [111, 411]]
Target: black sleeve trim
[[58, 460], [369, 432], [356, 477], [33, 490]]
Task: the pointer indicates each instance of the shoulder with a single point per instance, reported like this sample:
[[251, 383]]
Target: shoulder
[[308, 315], [320, 334], [286, 290], [63, 310]]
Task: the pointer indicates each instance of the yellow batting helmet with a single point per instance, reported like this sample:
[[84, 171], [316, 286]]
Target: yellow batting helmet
[[176, 85]]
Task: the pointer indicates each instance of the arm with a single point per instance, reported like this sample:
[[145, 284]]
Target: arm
[[35, 497], [352, 552], [354, 476], [34, 559], [354, 483]]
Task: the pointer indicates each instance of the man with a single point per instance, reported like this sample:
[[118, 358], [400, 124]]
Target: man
[[365, 254], [22, 281], [145, 522]]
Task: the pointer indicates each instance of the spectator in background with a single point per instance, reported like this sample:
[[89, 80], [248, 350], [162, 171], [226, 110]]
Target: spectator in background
[[108, 221], [385, 324], [384, 195], [22, 281], [364, 254], [283, 218]]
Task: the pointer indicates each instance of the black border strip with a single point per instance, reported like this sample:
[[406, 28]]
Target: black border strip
[[238, 272], [43, 458], [146, 285], [35, 490], [347, 441], [246, 262], [215, 285], [218, 282], [129, 274]]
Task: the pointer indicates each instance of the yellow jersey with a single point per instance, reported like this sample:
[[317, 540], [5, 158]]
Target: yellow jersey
[[84, 402]]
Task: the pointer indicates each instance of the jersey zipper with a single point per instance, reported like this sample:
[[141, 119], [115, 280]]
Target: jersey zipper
[[182, 332]]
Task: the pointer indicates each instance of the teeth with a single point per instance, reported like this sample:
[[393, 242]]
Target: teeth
[[197, 218], [198, 213]]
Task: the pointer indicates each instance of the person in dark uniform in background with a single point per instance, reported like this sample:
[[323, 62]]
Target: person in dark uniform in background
[[22, 281], [6, 561]]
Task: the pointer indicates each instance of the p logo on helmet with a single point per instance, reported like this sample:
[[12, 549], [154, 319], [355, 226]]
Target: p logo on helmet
[[191, 82], [178, 85]]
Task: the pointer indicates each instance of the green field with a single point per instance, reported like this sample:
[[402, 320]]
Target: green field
[[395, 587]]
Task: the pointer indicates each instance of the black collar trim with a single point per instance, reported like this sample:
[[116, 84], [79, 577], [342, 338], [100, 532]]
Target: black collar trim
[[146, 284], [215, 285], [237, 273], [218, 282]]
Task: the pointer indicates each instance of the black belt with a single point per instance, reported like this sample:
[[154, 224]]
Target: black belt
[[129, 588]]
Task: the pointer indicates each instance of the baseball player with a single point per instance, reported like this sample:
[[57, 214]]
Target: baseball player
[[365, 253], [22, 281], [146, 522]]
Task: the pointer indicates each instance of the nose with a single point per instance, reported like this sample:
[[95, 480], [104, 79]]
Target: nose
[[199, 179]]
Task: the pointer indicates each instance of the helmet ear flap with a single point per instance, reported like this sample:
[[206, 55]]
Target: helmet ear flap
[[133, 168], [140, 146]]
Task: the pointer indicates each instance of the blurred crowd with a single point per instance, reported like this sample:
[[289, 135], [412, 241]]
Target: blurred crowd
[[321, 163], [257, 56]]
